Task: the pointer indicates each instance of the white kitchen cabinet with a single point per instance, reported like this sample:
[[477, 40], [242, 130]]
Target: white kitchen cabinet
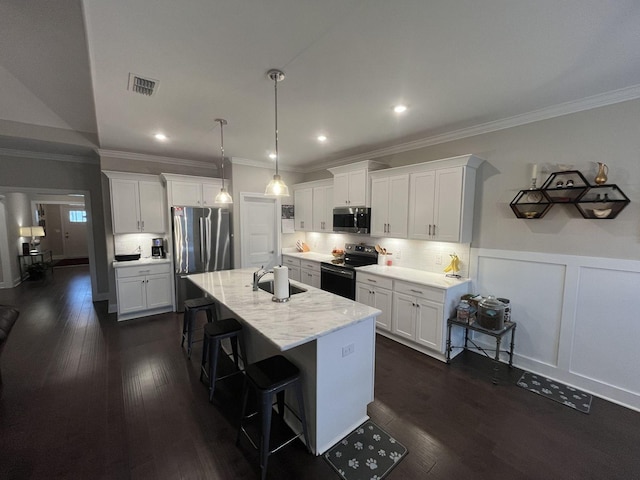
[[293, 264], [310, 273], [389, 205], [376, 292], [192, 191], [323, 208], [351, 184], [143, 289], [418, 314], [303, 209], [137, 203]]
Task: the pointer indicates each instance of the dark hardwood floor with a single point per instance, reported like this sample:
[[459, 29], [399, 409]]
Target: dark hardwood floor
[[88, 397]]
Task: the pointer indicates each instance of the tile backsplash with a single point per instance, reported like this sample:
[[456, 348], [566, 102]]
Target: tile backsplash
[[421, 255], [134, 243]]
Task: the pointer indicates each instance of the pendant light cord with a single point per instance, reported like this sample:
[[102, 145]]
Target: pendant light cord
[[222, 151], [275, 87]]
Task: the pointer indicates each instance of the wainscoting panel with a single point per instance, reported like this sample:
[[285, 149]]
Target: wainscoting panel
[[607, 327], [577, 317], [535, 291]]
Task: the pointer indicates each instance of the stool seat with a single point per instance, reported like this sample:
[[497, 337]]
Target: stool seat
[[272, 373], [191, 307], [214, 333]]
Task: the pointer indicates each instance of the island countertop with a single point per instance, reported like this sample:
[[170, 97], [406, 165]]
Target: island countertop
[[306, 317]]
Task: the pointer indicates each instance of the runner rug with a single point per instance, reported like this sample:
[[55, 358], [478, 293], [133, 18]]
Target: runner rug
[[556, 391], [367, 453]]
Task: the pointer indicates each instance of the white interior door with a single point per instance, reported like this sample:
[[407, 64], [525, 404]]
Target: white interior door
[[74, 231], [259, 235]]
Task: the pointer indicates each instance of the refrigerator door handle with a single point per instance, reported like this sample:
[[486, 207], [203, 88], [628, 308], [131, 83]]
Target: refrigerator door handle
[[202, 244]]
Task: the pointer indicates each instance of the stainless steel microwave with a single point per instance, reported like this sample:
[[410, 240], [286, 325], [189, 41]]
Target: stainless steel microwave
[[352, 220]]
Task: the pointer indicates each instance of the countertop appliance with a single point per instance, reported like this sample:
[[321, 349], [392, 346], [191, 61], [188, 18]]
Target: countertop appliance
[[202, 243], [157, 248], [352, 220], [341, 279]]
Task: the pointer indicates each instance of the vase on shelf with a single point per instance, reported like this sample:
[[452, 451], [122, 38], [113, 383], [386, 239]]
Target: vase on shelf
[[601, 176]]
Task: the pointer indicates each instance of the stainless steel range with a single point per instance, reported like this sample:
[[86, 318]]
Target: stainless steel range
[[341, 279]]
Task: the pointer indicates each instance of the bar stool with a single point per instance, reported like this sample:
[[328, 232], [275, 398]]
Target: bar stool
[[214, 333], [191, 307], [268, 377]]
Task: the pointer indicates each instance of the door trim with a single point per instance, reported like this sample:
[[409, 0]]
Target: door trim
[[244, 198]]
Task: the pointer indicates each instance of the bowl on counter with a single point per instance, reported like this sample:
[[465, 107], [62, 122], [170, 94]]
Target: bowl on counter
[[128, 258]]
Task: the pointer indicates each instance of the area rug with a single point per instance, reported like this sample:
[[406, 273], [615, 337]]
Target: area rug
[[367, 453], [556, 391]]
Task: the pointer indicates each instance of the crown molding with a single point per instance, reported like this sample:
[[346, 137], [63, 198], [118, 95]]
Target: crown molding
[[264, 164], [59, 157], [144, 157], [566, 108]]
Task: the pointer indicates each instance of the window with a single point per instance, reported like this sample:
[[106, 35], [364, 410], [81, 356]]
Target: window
[[77, 216]]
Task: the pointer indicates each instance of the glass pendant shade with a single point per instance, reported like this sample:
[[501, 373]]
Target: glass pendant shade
[[277, 188], [223, 196]]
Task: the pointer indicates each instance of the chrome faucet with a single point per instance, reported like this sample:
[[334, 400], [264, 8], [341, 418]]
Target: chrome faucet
[[261, 272]]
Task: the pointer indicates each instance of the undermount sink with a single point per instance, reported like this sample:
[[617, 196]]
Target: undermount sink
[[267, 286]]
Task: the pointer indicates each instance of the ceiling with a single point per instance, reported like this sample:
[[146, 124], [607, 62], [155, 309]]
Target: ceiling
[[456, 64]]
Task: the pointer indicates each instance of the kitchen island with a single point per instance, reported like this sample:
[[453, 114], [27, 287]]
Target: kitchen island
[[330, 338]]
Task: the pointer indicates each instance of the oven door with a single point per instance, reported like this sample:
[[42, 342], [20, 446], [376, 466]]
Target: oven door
[[338, 280]]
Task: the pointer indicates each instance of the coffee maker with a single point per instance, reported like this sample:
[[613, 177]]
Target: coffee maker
[[157, 248]]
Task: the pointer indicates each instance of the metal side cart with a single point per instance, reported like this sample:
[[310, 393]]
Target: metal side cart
[[497, 334]]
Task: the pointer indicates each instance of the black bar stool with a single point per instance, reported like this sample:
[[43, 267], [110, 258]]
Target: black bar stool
[[191, 307], [268, 377], [214, 333]]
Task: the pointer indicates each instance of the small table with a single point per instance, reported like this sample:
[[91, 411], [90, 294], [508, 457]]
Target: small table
[[497, 334], [46, 257]]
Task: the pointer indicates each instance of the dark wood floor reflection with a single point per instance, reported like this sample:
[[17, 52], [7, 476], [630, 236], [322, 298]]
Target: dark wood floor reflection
[[88, 397]]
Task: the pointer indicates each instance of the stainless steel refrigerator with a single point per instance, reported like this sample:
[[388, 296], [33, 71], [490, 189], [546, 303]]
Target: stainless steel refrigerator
[[202, 243]]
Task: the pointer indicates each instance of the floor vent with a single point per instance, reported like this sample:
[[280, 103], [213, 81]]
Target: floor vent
[[141, 85]]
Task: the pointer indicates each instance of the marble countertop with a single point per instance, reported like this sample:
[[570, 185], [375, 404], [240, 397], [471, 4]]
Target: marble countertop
[[307, 316], [313, 256], [142, 261], [430, 279]]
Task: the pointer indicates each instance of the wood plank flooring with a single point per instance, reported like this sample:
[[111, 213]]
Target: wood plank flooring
[[88, 397]]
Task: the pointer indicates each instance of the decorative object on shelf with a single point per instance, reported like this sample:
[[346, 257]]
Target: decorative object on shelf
[[35, 232], [534, 176], [454, 266], [602, 202], [565, 187], [223, 196], [530, 204], [601, 176], [276, 187]]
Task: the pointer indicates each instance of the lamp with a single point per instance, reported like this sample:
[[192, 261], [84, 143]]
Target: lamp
[[276, 187], [223, 196], [33, 232]]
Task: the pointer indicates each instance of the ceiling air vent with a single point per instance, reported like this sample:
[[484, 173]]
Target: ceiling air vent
[[144, 86]]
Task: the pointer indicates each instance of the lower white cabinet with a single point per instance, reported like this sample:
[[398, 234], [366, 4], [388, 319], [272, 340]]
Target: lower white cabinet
[[310, 273], [143, 290], [418, 314], [375, 292], [293, 264]]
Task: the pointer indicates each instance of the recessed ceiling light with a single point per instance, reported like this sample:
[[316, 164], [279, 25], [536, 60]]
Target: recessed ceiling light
[[161, 137], [400, 108], [322, 138], [272, 156]]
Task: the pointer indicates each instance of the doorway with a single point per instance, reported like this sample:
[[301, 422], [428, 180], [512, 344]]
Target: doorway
[[74, 231], [259, 220]]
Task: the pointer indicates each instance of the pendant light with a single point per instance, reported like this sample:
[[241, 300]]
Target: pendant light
[[223, 196], [276, 187]]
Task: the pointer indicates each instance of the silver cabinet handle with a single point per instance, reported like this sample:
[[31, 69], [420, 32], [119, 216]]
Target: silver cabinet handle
[[429, 229], [371, 280], [138, 225], [142, 225], [415, 291], [434, 230]]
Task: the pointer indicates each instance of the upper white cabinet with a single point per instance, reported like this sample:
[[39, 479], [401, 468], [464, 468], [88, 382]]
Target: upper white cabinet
[[351, 184], [303, 208], [188, 191], [323, 208], [137, 203], [389, 204]]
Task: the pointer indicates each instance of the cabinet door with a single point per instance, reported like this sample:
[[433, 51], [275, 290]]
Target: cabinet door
[[328, 209], [131, 294], [398, 206], [158, 290], [209, 193], [448, 204], [382, 301], [358, 188], [363, 294], [186, 194], [151, 207], [429, 320], [306, 276], [294, 273], [341, 190], [125, 206], [379, 206], [315, 279], [421, 204], [303, 209], [403, 320], [319, 209]]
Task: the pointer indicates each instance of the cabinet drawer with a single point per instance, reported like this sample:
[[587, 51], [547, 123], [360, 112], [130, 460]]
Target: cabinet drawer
[[315, 266], [290, 261], [422, 291], [374, 280], [141, 270]]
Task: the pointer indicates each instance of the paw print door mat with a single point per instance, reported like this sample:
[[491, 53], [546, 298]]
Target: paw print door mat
[[556, 391], [367, 453]]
